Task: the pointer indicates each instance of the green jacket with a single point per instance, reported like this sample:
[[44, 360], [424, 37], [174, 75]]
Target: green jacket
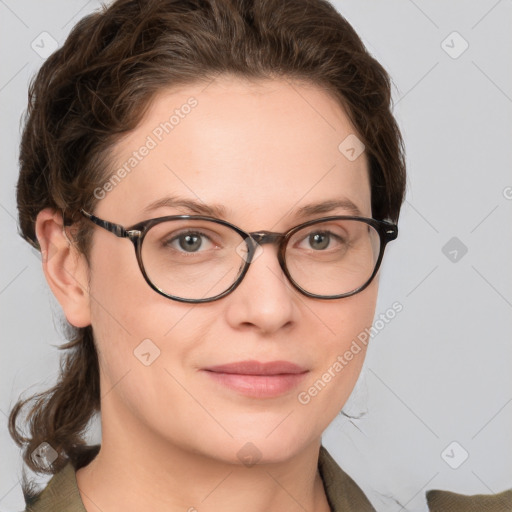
[[61, 494]]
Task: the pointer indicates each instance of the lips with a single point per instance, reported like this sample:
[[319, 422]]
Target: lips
[[256, 379], [258, 368]]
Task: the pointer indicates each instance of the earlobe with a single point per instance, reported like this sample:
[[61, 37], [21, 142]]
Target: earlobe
[[65, 268]]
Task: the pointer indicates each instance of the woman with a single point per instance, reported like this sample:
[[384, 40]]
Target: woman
[[247, 152]]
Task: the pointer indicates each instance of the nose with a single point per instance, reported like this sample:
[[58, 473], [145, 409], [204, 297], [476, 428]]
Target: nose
[[264, 301]]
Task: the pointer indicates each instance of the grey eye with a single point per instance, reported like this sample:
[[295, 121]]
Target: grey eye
[[190, 242], [320, 240]]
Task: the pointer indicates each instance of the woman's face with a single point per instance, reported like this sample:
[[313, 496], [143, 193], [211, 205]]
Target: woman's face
[[261, 151]]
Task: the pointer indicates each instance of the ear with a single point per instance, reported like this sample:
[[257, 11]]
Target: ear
[[64, 267]]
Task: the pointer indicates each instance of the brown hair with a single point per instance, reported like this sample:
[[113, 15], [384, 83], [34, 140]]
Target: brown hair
[[98, 86]]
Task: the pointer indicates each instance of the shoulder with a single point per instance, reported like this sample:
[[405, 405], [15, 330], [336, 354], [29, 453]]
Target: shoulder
[[446, 501], [61, 493], [343, 494]]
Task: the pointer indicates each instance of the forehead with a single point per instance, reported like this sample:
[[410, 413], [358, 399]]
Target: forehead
[[263, 147]]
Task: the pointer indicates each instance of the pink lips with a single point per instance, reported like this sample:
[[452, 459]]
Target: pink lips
[[256, 379]]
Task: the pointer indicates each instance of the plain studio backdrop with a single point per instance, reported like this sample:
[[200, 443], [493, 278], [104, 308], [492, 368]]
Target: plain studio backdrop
[[433, 406]]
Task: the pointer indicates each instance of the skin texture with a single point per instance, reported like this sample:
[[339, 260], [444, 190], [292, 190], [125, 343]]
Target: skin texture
[[171, 434]]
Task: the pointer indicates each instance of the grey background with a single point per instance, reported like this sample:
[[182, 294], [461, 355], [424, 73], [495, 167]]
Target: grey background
[[439, 372]]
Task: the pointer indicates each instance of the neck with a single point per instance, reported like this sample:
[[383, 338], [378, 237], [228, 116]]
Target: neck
[[159, 475]]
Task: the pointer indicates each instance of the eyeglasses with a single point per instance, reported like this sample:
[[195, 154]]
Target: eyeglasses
[[194, 258]]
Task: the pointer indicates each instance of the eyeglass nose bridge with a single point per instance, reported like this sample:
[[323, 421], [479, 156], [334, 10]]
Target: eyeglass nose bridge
[[266, 237], [257, 238]]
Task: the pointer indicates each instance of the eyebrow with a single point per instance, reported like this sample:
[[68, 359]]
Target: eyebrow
[[329, 206], [219, 211], [198, 207]]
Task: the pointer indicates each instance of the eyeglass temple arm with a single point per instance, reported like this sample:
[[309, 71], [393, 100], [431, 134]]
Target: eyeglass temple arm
[[390, 230], [117, 229]]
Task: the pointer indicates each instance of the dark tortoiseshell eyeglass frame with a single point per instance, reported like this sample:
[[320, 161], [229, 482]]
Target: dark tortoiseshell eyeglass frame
[[136, 233]]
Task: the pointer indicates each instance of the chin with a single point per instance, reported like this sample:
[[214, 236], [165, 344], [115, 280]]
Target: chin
[[263, 448]]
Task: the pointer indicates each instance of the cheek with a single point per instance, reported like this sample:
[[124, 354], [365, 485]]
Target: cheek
[[138, 333], [121, 307], [114, 288], [344, 319], [123, 304], [342, 350]]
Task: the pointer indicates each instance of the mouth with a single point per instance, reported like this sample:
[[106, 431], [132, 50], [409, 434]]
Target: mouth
[[257, 379]]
